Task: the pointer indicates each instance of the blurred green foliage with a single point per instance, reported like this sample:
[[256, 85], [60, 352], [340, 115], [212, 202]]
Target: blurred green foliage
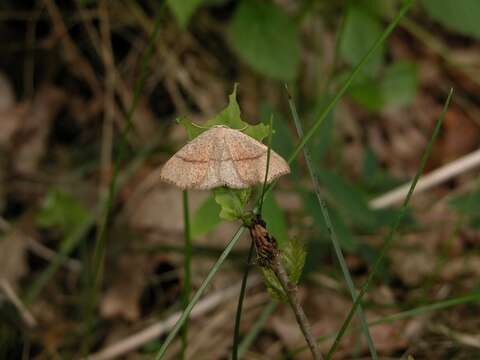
[[462, 16], [61, 210], [468, 205], [266, 38]]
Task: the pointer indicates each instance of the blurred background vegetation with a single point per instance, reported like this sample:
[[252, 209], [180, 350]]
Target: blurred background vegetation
[[69, 74]]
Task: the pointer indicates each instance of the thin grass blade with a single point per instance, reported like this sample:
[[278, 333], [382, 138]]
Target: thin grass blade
[[199, 293], [187, 257], [331, 231]]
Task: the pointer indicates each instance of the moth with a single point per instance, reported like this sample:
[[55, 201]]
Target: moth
[[221, 156]]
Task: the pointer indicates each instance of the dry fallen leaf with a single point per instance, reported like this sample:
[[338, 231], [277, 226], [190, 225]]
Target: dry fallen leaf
[[122, 298], [412, 267], [13, 249], [222, 157], [30, 139]]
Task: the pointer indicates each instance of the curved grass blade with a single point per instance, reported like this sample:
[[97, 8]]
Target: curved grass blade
[[331, 231], [187, 257]]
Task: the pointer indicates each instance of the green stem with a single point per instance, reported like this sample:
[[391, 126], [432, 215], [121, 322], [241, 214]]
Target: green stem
[[187, 256], [264, 187], [241, 297], [390, 237]]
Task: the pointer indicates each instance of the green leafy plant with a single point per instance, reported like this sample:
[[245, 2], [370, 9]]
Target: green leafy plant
[[461, 15], [266, 38], [304, 140]]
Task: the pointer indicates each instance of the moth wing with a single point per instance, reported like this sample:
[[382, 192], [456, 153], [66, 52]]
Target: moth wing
[[199, 149], [246, 154], [276, 168], [182, 173], [188, 167], [249, 158]]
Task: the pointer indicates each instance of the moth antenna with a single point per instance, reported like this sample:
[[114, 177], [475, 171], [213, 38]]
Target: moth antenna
[[244, 128]]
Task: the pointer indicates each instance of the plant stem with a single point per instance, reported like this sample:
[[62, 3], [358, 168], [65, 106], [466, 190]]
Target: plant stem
[[292, 295], [241, 297], [187, 256]]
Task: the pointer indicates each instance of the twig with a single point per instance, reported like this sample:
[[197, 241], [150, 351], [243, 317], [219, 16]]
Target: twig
[[15, 300], [426, 182], [331, 230], [292, 295], [269, 257], [39, 249], [158, 329]]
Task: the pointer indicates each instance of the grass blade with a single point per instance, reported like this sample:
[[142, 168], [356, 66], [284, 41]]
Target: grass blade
[[393, 24], [331, 231], [241, 297], [199, 293], [393, 230], [187, 257]]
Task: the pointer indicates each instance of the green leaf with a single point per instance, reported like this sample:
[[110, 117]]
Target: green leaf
[[361, 31], [61, 210], [266, 38], [462, 16], [184, 9], [275, 219], [293, 258], [396, 87], [273, 285], [232, 202], [375, 179], [322, 142], [468, 205], [206, 218], [230, 116]]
